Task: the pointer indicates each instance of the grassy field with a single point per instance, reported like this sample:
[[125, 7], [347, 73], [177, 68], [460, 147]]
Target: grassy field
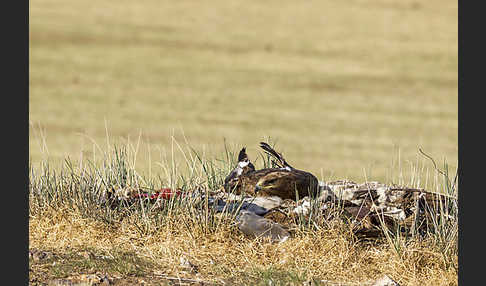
[[345, 88], [150, 243]]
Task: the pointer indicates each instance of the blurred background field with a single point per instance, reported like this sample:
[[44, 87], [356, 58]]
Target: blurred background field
[[346, 89]]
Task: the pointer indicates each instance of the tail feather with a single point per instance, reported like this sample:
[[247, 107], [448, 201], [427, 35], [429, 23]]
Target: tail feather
[[269, 150]]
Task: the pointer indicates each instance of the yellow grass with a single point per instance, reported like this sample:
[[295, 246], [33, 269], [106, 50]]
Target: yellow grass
[[343, 87], [67, 218], [228, 256]]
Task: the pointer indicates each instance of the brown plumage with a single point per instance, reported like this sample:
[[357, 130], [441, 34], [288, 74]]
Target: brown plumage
[[285, 181]]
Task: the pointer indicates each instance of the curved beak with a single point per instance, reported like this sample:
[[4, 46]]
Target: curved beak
[[257, 188]]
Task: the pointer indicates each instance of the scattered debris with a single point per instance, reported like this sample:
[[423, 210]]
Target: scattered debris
[[265, 202], [125, 196], [369, 207], [254, 225]]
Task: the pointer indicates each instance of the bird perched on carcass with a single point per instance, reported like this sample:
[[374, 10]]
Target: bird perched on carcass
[[284, 181]]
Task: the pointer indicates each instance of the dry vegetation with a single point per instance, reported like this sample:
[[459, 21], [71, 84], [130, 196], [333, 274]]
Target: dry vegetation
[[227, 257], [141, 242]]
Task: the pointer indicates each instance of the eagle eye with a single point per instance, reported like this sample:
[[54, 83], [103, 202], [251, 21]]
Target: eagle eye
[[271, 181]]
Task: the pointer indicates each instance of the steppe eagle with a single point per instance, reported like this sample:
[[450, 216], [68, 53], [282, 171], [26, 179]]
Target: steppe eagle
[[284, 181]]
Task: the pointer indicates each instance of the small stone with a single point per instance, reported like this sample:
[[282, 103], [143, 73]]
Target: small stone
[[184, 262], [257, 226]]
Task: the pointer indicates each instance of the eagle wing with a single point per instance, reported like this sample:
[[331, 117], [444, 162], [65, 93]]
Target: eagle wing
[[294, 184], [286, 182]]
